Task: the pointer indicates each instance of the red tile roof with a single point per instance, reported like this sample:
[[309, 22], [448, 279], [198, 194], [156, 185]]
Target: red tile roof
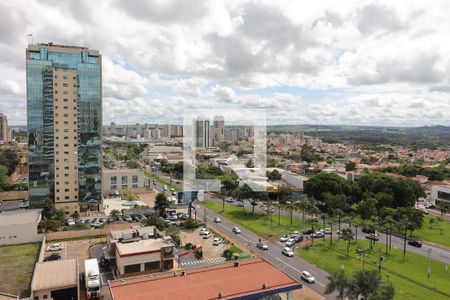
[[205, 283]]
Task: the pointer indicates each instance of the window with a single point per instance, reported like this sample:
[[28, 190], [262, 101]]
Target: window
[[124, 179], [113, 179], [135, 179], [65, 93], [65, 77], [65, 85], [67, 197], [154, 265], [66, 190], [65, 107], [66, 168], [66, 175], [66, 152], [66, 100]]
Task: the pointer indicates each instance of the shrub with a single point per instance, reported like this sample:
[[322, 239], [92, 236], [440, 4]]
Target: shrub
[[199, 254], [190, 224], [227, 253]]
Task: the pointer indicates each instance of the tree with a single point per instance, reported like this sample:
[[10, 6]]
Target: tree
[[324, 219], [174, 233], [161, 204], [10, 159], [114, 213], [156, 221], [303, 203], [229, 184], [369, 285], [246, 193], [338, 282], [291, 207], [274, 175], [133, 164], [284, 191], [347, 235], [350, 166]]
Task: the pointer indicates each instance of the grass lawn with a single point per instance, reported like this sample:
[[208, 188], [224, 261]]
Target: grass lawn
[[438, 233], [413, 266], [16, 266], [163, 181], [258, 222]]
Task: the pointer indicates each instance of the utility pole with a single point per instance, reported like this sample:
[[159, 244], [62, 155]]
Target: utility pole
[[429, 263]]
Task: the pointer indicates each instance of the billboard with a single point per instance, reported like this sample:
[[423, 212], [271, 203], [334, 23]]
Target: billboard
[[190, 196]]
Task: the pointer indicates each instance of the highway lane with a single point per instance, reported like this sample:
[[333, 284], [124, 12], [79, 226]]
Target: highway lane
[[437, 252]]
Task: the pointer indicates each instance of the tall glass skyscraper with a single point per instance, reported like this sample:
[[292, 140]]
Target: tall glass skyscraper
[[64, 101]]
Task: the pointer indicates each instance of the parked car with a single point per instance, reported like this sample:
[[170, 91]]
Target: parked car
[[174, 193], [295, 233], [367, 229], [96, 224], [53, 256], [239, 203], [306, 276], [229, 200], [327, 230], [217, 220], [70, 221], [111, 220], [290, 242], [127, 218], [297, 237], [207, 235], [183, 216], [104, 263], [284, 238], [172, 218], [217, 241], [372, 236], [318, 234], [415, 243], [236, 230], [287, 251], [203, 230], [261, 245], [168, 222], [56, 247], [430, 205], [308, 231]]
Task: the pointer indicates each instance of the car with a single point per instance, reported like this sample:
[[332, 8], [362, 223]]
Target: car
[[203, 230], [217, 241], [165, 187], [295, 233], [70, 221], [229, 200], [372, 236], [127, 218], [308, 231], [318, 234], [284, 238], [261, 245], [103, 220], [429, 205], [207, 235], [111, 220], [327, 230], [287, 251], [290, 242], [297, 237], [217, 220], [415, 243], [53, 256], [96, 224], [56, 247], [168, 222], [183, 216], [236, 230], [306, 276], [104, 263], [239, 203], [172, 218], [174, 193], [368, 229]]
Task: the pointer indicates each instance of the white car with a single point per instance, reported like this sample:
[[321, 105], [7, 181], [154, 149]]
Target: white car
[[217, 220], [306, 276], [236, 230], [327, 230], [165, 187], [295, 233], [287, 251], [217, 241], [290, 242], [203, 231], [284, 238], [70, 221], [56, 247], [207, 235]]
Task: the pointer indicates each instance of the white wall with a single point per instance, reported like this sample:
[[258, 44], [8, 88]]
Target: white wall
[[20, 234]]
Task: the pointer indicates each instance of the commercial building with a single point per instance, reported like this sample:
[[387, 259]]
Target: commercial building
[[20, 226], [57, 280], [140, 250], [218, 130], [5, 131], [440, 195], [64, 110], [248, 279], [123, 179], [201, 133]]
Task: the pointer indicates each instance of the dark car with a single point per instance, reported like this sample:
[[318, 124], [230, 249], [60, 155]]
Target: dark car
[[104, 263], [415, 243], [53, 256], [297, 237], [308, 231]]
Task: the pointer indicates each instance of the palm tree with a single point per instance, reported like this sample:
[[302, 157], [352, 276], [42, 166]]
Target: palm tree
[[330, 221], [403, 225], [114, 213], [339, 214], [337, 282], [366, 284], [291, 207], [347, 235], [324, 218], [303, 203]]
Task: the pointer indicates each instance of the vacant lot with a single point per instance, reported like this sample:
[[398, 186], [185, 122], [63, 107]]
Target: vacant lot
[[16, 266], [411, 268]]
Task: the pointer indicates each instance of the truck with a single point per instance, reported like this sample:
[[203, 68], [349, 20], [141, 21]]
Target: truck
[[92, 278]]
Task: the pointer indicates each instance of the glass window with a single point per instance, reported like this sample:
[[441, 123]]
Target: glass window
[[124, 179]]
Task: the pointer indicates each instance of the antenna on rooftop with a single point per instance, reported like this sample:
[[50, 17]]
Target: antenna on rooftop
[[30, 38]]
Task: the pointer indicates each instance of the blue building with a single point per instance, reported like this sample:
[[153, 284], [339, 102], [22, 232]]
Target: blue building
[[64, 112]]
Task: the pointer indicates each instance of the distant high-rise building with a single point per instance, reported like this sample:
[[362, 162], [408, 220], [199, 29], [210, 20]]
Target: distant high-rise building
[[201, 133], [218, 129], [64, 101], [112, 129], [167, 130], [156, 133], [5, 132]]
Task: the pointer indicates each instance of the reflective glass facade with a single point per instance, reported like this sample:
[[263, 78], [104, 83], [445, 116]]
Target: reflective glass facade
[[41, 63]]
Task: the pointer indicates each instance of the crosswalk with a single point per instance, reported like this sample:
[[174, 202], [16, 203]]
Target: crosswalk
[[208, 261]]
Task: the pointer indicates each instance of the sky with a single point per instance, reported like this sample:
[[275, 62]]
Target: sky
[[359, 62]]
